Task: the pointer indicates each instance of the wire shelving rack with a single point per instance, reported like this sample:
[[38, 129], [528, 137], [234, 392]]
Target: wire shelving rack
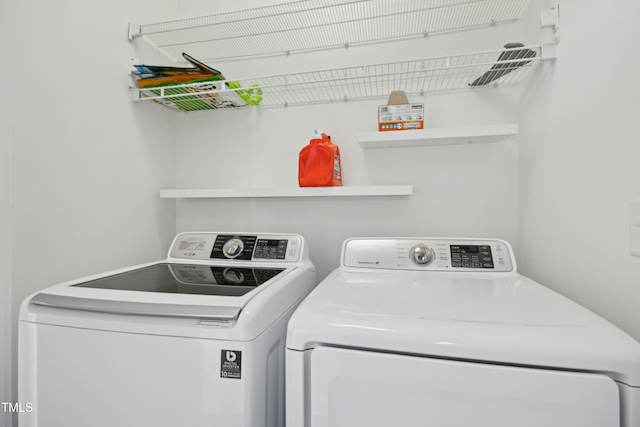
[[319, 24], [418, 76], [309, 25]]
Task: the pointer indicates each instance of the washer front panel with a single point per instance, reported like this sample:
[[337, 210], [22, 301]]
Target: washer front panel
[[478, 255]]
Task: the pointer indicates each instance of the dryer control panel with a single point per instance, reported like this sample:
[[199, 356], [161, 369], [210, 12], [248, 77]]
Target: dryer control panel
[[237, 247], [434, 254]]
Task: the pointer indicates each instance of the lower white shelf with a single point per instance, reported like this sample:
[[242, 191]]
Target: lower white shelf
[[235, 193], [437, 136]]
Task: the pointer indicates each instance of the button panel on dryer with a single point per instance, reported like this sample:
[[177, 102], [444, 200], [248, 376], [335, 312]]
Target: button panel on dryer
[[426, 254], [471, 256]]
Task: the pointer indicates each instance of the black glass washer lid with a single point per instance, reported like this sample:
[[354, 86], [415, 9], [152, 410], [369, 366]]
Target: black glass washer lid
[[188, 279]]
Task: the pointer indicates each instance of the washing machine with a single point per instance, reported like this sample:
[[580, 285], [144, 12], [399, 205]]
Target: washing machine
[[445, 332], [197, 339]]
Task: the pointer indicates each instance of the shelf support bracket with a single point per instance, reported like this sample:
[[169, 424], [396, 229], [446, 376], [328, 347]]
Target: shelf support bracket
[[549, 51], [134, 31], [134, 93]]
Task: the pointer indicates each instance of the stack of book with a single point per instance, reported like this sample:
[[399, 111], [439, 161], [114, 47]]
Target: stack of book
[[192, 88]]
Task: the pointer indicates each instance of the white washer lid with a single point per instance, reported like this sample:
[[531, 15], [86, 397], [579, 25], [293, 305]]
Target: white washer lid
[[507, 319]]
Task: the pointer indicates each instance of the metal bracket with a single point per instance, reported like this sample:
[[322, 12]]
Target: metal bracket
[[134, 31], [550, 18], [549, 51]]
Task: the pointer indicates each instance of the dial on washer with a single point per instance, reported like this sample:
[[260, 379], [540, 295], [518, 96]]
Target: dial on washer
[[421, 254], [232, 248]]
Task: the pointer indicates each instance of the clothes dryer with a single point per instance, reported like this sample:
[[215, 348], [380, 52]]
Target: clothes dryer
[[197, 339], [444, 332]]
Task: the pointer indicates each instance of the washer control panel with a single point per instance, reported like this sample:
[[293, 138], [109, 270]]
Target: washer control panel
[[237, 247], [432, 254]]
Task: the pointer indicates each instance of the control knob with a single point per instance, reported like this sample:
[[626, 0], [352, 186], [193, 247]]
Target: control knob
[[232, 248], [421, 254]]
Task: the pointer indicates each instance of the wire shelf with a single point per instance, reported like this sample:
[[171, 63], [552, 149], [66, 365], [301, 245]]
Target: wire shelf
[[454, 72], [319, 24]]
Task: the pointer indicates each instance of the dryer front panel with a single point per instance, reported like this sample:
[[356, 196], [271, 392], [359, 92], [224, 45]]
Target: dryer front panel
[[354, 387]]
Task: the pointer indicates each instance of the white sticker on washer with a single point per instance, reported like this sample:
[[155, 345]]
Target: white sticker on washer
[[213, 322], [192, 244]]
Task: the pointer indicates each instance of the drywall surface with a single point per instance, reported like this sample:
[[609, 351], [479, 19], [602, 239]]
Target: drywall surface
[[465, 190], [7, 9], [579, 162], [87, 162]]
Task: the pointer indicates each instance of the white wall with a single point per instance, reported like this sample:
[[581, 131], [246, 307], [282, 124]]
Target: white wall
[[580, 162], [458, 190], [464, 190], [87, 162], [6, 132]]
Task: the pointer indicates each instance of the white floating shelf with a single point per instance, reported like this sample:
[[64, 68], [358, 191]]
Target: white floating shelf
[[244, 193], [437, 136]]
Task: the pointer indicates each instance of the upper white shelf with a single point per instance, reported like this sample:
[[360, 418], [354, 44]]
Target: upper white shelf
[[319, 24], [244, 193], [437, 136]]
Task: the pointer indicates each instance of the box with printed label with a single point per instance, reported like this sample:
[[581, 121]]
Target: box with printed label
[[400, 117]]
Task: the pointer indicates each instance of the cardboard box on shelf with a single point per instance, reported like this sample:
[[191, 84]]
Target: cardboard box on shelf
[[400, 117]]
